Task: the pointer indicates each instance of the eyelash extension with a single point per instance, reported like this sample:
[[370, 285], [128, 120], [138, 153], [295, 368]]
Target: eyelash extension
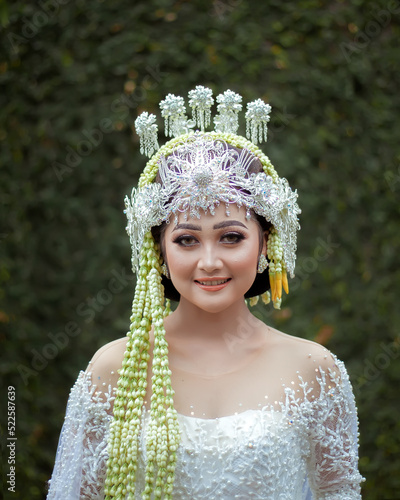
[[237, 234], [178, 240]]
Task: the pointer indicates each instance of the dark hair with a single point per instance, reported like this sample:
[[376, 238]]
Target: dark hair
[[261, 283]]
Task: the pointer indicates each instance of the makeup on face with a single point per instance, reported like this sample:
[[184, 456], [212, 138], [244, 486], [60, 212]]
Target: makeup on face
[[213, 261]]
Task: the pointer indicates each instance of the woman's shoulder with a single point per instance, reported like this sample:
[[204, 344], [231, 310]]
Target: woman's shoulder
[[305, 365], [305, 355], [106, 362]]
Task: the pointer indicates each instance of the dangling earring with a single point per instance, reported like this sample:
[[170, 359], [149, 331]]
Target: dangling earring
[[164, 270], [262, 264]]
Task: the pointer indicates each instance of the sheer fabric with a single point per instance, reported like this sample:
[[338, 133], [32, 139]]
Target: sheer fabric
[[304, 447]]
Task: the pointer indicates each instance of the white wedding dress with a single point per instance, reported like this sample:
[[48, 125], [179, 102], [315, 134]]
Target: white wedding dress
[[303, 447]]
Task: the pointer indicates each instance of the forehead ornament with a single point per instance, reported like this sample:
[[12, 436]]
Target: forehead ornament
[[202, 178]]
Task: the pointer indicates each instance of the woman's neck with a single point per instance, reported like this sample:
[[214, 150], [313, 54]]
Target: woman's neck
[[213, 344], [191, 322]]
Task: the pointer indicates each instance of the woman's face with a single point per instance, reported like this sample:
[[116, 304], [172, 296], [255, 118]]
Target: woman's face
[[212, 261]]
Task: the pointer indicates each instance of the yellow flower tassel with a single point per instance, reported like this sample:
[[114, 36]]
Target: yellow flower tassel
[[272, 281], [279, 284], [277, 270], [285, 283]]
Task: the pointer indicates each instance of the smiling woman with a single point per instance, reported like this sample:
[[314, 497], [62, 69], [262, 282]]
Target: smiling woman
[[218, 253], [177, 409]]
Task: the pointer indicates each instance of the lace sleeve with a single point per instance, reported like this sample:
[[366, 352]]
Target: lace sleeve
[[80, 464], [333, 431]]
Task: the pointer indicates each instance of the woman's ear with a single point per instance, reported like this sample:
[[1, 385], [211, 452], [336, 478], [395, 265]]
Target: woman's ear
[[264, 249]]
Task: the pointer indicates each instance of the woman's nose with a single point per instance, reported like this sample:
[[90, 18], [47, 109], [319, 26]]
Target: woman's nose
[[209, 260]]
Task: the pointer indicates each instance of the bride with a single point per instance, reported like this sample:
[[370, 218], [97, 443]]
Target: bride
[[207, 401]]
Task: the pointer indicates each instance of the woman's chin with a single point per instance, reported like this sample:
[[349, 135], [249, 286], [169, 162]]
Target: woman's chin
[[212, 302]]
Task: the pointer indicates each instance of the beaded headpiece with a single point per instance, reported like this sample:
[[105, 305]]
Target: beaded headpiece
[[198, 171]]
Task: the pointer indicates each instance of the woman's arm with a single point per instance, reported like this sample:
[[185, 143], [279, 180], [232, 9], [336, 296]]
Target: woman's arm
[[82, 449], [333, 431], [80, 466]]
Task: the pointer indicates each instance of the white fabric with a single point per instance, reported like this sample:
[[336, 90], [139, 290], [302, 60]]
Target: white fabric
[[306, 450]]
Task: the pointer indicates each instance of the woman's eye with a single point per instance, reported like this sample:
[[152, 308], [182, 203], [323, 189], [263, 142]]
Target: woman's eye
[[185, 241], [232, 237]]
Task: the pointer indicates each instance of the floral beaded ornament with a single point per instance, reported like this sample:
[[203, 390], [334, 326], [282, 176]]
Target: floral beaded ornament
[[197, 171]]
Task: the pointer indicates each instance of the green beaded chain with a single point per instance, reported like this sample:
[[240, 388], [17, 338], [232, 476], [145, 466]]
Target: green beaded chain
[[163, 433]]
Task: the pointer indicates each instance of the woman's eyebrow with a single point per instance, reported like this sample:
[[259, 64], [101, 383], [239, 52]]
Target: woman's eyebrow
[[192, 227], [220, 225], [227, 223]]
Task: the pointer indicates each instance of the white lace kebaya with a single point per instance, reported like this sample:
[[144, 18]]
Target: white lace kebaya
[[303, 447]]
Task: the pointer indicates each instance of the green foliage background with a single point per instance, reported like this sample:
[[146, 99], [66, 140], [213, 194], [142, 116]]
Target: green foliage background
[[75, 74]]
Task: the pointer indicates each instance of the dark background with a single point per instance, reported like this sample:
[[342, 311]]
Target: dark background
[[75, 74]]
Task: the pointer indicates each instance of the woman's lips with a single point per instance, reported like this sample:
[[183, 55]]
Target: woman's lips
[[212, 284]]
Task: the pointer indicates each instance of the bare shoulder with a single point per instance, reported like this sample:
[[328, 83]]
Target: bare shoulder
[[305, 355], [106, 362]]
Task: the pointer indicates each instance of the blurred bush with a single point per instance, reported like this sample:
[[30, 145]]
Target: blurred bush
[[74, 76]]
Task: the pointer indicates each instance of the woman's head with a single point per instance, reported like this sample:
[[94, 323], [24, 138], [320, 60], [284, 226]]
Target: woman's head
[[196, 172], [251, 165], [199, 172]]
